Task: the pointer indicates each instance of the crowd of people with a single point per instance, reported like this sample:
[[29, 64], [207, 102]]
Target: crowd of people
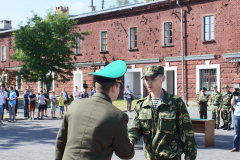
[[31, 101]]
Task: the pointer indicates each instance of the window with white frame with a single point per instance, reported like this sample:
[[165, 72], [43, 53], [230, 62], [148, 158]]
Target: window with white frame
[[42, 84], [78, 49], [3, 53], [168, 33], [103, 41], [206, 76], [3, 79], [19, 83], [208, 28], [133, 38]]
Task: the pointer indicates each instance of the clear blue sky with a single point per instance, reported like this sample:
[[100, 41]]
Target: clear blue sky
[[18, 10]]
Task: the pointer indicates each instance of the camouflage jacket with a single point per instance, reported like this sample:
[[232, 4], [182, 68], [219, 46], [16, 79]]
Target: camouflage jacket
[[202, 106], [167, 133], [226, 100], [216, 99]]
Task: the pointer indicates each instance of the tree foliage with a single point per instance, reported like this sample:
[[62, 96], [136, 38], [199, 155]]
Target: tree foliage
[[44, 46]]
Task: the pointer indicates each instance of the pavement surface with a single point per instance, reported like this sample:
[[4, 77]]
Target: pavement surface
[[27, 139]]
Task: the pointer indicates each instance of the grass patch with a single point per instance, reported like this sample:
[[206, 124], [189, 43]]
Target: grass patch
[[121, 104]]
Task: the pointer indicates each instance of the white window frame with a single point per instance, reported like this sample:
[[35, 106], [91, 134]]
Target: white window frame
[[3, 53], [101, 49], [130, 40], [81, 73], [78, 42], [164, 33], [20, 89], [44, 84], [203, 28], [207, 66], [173, 68], [2, 78]]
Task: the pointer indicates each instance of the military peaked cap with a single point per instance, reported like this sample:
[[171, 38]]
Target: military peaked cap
[[152, 71]]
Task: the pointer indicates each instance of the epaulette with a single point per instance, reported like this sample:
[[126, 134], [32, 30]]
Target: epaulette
[[175, 97], [140, 100]]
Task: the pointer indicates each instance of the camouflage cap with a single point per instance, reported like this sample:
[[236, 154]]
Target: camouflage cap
[[152, 71], [203, 89], [214, 86], [225, 86]]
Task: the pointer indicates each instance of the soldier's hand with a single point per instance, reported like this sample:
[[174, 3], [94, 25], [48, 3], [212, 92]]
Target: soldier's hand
[[210, 108], [219, 109], [230, 110], [222, 109], [199, 102]]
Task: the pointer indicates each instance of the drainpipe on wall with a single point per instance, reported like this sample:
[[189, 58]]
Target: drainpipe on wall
[[182, 50]]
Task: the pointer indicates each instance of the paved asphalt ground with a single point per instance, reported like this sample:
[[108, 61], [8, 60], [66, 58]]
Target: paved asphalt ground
[[35, 140]]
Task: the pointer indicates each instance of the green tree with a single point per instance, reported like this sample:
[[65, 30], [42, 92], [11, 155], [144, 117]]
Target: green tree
[[120, 3], [149, 0], [44, 46]]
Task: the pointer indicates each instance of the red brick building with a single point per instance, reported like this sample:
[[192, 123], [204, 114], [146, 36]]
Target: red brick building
[[150, 33]]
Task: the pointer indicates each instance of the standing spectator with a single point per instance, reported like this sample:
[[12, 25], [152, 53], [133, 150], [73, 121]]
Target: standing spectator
[[215, 101], [26, 102], [76, 93], [6, 89], [93, 91], [32, 103], [28, 89], [41, 103], [85, 85], [65, 95], [235, 102], [84, 93], [5, 96], [41, 89], [46, 102], [61, 100], [226, 108], [53, 99], [127, 97], [202, 101], [1, 106], [16, 107], [12, 103]]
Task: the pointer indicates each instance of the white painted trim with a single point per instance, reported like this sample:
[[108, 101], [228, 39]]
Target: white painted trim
[[2, 78], [141, 61], [81, 73], [3, 53], [190, 58], [231, 55], [207, 66], [167, 68], [133, 69], [129, 43]]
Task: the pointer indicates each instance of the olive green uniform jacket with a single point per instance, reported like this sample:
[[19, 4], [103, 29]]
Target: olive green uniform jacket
[[216, 99], [202, 106], [167, 133], [93, 129], [226, 100]]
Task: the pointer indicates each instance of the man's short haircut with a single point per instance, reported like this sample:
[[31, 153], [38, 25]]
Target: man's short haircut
[[41, 91], [31, 90], [105, 87], [127, 86], [11, 87], [2, 86]]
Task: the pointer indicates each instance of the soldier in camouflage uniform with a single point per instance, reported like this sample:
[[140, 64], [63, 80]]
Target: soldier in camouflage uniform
[[215, 102], [226, 108], [163, 121], [202, 101]]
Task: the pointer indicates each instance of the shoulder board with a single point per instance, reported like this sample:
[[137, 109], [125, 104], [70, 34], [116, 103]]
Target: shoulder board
[[175, 97]]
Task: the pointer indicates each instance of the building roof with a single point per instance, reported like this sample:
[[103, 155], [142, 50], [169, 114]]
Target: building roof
[[104, 11]]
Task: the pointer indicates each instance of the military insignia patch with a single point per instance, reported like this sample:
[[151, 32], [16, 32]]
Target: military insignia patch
[[149, 68], [186, 118]]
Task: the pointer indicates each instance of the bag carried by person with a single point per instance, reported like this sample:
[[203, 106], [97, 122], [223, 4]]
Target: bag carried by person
[[132, 97]]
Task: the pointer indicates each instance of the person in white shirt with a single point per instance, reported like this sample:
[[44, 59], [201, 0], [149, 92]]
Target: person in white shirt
[[65, 95], [41, 103], [5, 96], [53, 99], [76, 93], [1, 106]]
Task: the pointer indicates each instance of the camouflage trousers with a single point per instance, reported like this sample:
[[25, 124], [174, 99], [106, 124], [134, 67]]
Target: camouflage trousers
[[203, 114], [216, 114], [226, 116]]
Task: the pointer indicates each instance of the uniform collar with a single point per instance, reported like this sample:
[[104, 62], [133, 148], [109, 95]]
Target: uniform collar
[[103, 96], [166, 100]]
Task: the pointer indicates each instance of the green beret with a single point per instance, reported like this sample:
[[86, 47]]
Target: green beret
[[203, 89], [152, 71], [225, 86], [110, 73]]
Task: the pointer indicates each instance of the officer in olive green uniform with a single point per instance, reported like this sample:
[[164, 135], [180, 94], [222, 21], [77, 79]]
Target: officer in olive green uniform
[[165, 126], [93, 128], [202, 101], [215, 102], [226, 108]]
